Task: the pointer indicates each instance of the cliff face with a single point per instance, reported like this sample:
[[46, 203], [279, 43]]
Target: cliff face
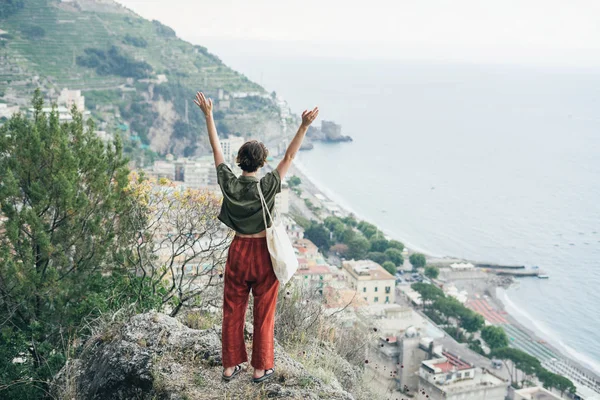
[[154, 356]]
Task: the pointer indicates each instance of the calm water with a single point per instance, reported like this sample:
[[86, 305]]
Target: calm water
[[500, 164]]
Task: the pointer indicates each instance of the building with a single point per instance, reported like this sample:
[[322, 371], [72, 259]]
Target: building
[[200, 173], [534, 393], [294, 231], [450, 378], [306, 249], [394, 361], [371, 281], [230, 147], [6, 111], [313, 276], [68, 98], [164, 169], [282, 200], [64, 113]]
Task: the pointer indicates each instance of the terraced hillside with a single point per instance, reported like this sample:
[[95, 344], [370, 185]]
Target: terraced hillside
[[130, 70]]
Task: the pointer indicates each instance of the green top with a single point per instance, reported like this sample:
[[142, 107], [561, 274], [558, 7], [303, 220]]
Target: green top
[[241, 209]]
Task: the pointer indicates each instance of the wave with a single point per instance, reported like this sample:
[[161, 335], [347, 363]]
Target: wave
[[544, 332]]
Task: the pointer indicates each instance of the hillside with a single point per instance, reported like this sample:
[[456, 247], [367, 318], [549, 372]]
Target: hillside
[[137, 77]]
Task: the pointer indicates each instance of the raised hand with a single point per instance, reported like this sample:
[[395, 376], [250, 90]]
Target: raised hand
[[309, 116], [206, 105]]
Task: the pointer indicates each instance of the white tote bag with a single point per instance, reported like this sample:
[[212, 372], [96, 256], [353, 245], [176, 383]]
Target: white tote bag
[[285, 263]]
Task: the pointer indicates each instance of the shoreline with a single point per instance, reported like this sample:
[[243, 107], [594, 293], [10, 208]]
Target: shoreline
[[311, 187]]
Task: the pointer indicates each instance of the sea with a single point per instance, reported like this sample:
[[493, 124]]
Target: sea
[[495, 163]]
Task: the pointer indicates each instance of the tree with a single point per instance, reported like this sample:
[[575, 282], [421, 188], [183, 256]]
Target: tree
[[63, 201], [432, 272], [350, 221], [335, 226], [471, 322], [367, 229], [494, 336], [358, 248], [319, 235], [379, 258], [339, 249], [394, 244], [519, 360], [417, 260], [427, 291], [349, 235], [390, 267], [552, 380], [395, 256], [178, 246], [379, 244], [294, 181]]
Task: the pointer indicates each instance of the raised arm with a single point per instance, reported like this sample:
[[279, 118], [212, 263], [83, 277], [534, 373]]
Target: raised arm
[[307, 118], [206, 106]]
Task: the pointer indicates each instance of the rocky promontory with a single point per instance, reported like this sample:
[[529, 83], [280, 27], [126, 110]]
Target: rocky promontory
[[154, 356], [329, 132]]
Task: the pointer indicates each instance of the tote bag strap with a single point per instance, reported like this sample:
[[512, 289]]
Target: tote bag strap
[[265, 208]]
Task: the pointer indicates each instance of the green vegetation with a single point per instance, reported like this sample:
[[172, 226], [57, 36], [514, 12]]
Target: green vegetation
[[390, 267], [101, 52], [395, 256], [448, 309], [113, 62], [62, 191], [360, 240], [494, 336], [135, 41], [9, 7], [33, 32], [294, 181], [78, 244], [417, 260], [432, 272]]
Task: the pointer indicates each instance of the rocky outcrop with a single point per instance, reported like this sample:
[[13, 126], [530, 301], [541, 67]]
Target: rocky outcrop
[[154, 356], [329, 132]]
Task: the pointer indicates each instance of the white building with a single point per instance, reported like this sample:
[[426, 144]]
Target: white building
[[371, 281], [164, 169], [199, 173], [282, 200], [230, 147], [534, 393], [450, 378], [293, 230], [6, 111], [68, 98]]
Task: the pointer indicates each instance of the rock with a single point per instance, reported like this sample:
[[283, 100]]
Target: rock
[[330, 132], [154, 356]]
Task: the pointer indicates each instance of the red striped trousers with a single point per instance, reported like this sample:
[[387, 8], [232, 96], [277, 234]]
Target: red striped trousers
[[249, 268]]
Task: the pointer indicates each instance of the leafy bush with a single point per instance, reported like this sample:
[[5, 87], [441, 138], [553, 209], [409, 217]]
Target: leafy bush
[[417, 260], [9, 7], [163, 30], [33, 32], [135, 41], [113, 62], [432, 272]]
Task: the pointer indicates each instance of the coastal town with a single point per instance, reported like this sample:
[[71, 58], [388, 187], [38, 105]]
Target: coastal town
[[410, 354]]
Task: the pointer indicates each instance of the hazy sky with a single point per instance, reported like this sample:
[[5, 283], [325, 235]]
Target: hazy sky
[[514, 31]]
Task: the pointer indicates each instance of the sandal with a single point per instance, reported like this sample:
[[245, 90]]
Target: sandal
[[265, 376], [236, 370]]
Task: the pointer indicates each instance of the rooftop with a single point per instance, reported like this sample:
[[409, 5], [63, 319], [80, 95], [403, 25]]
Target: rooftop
[[368, 270], [452, 363], [535, 393], [314, 270]]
